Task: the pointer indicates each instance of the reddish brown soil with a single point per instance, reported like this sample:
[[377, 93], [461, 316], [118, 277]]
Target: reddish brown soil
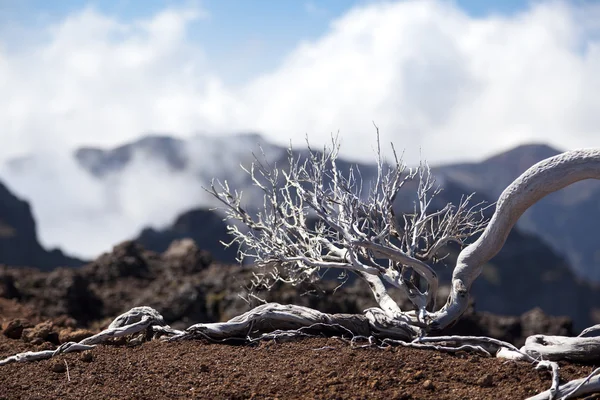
[[310, 368]]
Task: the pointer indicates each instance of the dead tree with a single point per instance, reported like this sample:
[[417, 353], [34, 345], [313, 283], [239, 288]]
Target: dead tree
[[358, 232]]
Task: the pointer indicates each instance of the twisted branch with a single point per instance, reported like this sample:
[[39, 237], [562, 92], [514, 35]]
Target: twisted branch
[[543, 178], [355, 231]]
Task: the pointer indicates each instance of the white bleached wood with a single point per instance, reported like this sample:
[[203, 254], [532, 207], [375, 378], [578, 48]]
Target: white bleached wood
[[555, 348], [355, 230], [135, 320], [266, 318], [42, 355], [543, 178], [554, 368], [590, 332], [573, 389]]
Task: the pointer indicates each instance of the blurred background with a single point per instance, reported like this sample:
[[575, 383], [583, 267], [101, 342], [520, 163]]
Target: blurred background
[[114, 114]]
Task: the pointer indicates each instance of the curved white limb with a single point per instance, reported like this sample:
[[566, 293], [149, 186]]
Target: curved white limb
[[572, 389], [543, 178], [555, 348]]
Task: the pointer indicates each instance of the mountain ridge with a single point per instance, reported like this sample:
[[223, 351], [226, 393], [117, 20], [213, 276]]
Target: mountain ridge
[[19, 245], [202, 157], [524, 262]]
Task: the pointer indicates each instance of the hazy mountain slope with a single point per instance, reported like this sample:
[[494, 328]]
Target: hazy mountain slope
[[205, 227], [18, 238], [87, 200], [494, 174], [165, 149]]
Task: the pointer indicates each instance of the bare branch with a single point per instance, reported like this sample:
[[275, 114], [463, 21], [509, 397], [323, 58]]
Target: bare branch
[[545, 177], [354, 230]]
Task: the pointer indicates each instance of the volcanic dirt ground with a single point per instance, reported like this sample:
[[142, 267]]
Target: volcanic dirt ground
[[320, 368]]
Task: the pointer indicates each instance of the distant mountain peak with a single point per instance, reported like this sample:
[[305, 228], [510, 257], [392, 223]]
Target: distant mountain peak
[[525, 153], [160, 147]]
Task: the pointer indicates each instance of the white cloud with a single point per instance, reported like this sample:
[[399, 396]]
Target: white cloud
[[97, 80], [429, 75], [434, 78], [87, 215]]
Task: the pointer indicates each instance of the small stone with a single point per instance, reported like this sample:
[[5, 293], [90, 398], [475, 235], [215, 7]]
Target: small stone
[[41, 331], [58, 366], [401, 396], [418, 375], [332, 374], [69, 335], [485, 381], [14, 329], [428, 385], [52, 338], [45, 346], [87, 356], [374, 383]]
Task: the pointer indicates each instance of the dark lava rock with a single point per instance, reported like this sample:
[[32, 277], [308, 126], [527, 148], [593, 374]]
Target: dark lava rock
[[13, 329], [126, 260], [186, 287], [204, 227], [184, 255]]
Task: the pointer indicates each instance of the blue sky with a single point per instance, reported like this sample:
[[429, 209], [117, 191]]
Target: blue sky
[[260, 31], [287, 68], [243, 37]]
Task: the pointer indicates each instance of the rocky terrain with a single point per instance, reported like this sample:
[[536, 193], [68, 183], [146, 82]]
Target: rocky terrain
[[186, 287], [316, 368], [40, 310]]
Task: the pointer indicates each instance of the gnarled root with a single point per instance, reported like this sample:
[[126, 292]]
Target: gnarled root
[[276, 321], [555, 348], [575, 388], [266, 321], [133, 321], [273, 318]]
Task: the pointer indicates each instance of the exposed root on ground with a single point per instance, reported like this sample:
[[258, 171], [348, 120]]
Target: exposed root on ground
[[274, 321]]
